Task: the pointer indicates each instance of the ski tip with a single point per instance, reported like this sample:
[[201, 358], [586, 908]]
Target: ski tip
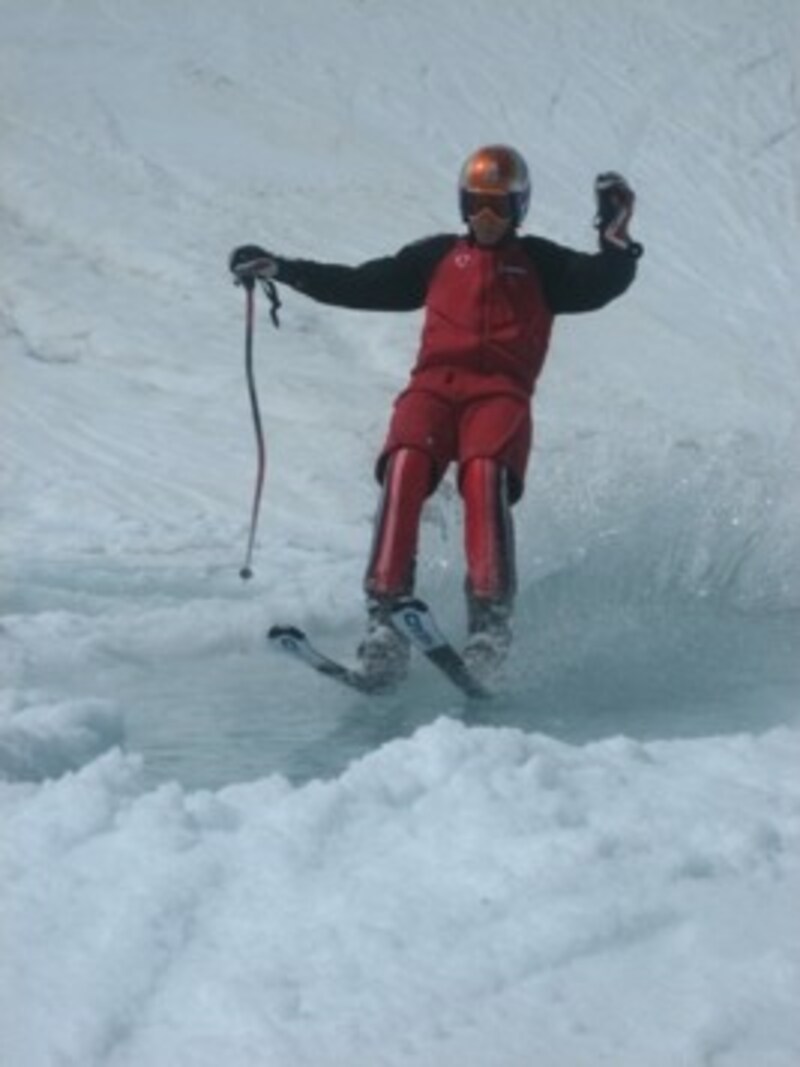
[[275, 633], [412, 603], [285, 632]]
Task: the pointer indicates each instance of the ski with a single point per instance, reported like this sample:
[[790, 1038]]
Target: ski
[[294, 642], [412, 618]]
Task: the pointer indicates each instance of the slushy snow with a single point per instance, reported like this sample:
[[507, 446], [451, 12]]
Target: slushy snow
[[210, 856]]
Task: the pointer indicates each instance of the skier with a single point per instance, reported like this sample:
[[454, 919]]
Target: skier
[[490, 296]]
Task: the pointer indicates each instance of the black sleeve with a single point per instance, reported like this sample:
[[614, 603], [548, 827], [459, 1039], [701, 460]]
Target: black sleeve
[[580, 281], [391, 283]]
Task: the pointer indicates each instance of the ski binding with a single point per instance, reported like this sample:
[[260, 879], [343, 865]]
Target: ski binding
[[412, 618]]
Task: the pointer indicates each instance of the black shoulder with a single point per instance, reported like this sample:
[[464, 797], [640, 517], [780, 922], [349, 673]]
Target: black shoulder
[[547, 254], [576, 281], [428, 250]]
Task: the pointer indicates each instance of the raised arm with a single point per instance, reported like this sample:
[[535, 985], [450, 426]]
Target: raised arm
[[579, 281]]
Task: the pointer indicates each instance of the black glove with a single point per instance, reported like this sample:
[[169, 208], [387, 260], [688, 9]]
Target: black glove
[[615, 203], [252, 261]]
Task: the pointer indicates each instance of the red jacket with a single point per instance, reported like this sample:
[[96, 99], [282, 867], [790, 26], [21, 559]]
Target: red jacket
[[485, 311]]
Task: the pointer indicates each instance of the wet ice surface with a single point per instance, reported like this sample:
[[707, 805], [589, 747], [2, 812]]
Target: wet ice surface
[[196, 689]]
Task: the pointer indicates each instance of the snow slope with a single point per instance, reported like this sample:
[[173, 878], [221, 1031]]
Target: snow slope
[[207, 856]]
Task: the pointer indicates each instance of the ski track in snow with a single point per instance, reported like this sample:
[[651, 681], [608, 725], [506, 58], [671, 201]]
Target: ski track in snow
[[601, 865]]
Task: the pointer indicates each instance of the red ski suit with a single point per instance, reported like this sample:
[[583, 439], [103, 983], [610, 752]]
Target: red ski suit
[[488, 318]]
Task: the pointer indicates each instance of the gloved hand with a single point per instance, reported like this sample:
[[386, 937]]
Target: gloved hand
[[252, 261], [615, 203]]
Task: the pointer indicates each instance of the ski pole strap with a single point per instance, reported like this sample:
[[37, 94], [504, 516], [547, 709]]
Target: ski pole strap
[[271, 293]]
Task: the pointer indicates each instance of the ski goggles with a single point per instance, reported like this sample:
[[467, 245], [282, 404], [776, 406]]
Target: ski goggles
[[500, 204]]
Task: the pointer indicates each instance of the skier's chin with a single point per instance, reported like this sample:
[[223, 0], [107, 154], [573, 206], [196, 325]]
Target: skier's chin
[[487, 234]]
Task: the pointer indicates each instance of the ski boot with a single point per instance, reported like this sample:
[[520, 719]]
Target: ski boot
[[384, 654], [489, 640]]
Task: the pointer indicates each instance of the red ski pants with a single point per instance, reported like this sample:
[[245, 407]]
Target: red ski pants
[[409, 477]]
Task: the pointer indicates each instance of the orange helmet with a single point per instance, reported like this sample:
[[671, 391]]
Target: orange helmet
[[497, 177]]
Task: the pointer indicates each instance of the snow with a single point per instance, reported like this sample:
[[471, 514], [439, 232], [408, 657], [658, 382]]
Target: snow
[[206, 854]]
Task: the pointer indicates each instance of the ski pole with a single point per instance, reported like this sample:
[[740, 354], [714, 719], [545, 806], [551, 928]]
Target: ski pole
[[261, 449]]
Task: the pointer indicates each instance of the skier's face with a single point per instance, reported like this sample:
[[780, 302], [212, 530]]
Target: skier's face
[[488, 228], [489, 217]]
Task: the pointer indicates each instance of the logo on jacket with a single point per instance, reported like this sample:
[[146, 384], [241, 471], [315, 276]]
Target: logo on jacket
[[462, 259]]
